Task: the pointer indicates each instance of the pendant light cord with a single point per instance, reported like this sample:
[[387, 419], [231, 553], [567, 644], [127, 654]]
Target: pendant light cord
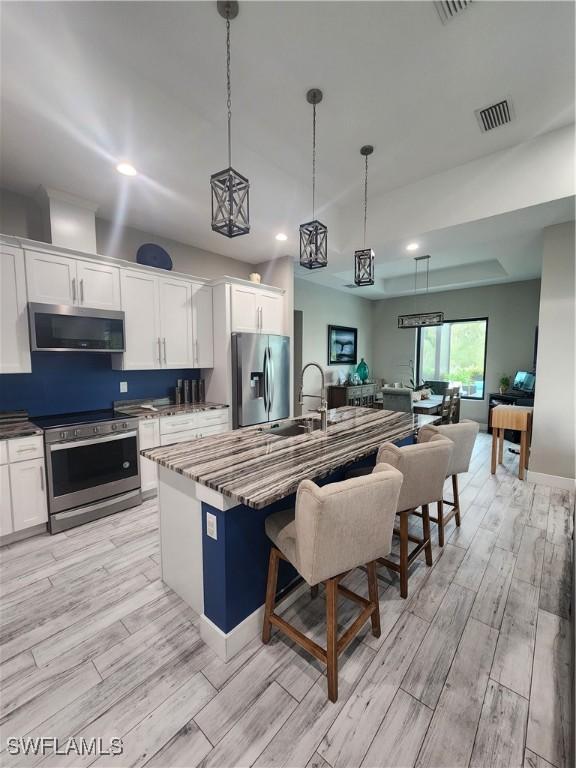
[[313, 161], [365, 196], [228, 92]]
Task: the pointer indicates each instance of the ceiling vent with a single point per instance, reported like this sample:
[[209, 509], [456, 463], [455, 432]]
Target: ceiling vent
[[495, 115], [448, 9], [351, 285]]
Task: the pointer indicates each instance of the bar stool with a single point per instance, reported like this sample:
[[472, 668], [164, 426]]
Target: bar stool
[[424, 468], [463, 435], [516, 417], [332, 530]]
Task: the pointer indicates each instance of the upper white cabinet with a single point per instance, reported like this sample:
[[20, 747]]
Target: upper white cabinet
[[202, 326], [141, 322], [159, 323], [55, 279], [256, 310], [176, 322], [14, 342], [98, 285]]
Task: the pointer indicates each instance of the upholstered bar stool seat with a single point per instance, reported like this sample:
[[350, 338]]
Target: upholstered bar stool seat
[[332, 530], [463, 436]]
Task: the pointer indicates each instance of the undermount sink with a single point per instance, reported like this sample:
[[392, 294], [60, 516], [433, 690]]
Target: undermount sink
[[300, 427]]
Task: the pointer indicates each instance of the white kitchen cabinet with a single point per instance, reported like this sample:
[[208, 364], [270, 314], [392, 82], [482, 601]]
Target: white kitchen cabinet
[[98, 285], [140, 303], [55, 279], [6, 525], [202, 326], [28, 490], [255, 310], [14, 340], [176, 323], [51, 278], [271, 313], [148, 437]]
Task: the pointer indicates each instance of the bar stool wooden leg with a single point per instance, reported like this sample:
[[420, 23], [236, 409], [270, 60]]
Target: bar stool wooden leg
[[500, 445], [440, 523], [314, 591], [374, 598], [270, 593], [426, 533], [456, 499], [404, 553], [494, 450], [522, 459], [332, 637]]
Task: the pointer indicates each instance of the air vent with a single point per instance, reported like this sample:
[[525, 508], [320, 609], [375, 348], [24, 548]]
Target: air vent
[[351, 285], [448, 9], [495, 115]]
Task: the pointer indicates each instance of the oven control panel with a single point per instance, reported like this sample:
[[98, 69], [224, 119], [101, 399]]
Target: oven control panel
[[85, 431]]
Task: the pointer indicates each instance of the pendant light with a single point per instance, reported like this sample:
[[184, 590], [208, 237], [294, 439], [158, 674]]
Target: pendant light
[[313, 235], [364, 259], [421, 319], [230, 189]]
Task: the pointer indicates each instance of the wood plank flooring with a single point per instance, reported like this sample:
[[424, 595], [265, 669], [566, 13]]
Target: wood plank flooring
[[473, 669]]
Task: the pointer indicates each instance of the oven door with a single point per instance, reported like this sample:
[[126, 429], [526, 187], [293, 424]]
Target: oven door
[[84, 471]]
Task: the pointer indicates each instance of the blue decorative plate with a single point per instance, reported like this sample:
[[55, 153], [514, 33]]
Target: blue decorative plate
[[152, 255]]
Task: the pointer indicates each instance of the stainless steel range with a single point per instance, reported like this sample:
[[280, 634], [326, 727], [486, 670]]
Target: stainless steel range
[[92, 465]]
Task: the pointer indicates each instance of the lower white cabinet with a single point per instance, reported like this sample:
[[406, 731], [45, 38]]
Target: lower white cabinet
[[148, 437], [181, 429], [22, 484], [28, 487], [6, 525]]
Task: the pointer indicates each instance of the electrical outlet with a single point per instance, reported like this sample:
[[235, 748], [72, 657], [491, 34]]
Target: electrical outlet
[[211, 529], [123, 386]]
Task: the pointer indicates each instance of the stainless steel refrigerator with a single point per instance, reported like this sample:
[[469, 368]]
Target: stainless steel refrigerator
[[260, 378]]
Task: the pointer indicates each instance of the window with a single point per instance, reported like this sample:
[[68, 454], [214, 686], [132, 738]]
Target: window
[[455, 352]]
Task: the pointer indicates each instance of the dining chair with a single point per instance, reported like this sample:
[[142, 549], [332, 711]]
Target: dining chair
[[423, 467], [332, 530], [446, 406], [463, 436], [397, 399], [437, 387]]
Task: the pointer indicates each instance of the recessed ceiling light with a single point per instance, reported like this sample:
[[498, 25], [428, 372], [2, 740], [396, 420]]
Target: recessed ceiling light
[[126, 169], [412, 246], [281, 236]]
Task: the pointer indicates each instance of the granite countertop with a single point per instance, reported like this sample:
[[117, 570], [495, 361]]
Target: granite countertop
[[142, 412], [257, 469], [17, 424]]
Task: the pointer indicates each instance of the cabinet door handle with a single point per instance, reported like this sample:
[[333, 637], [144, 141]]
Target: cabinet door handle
[[165, 361], [159, 352], [42, 477], [26, 450], [74, 290], [82, 290]]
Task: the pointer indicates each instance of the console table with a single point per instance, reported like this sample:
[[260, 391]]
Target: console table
[[340, 395]]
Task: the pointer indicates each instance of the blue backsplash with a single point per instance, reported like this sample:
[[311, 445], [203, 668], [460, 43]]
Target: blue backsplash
[[75, 381]]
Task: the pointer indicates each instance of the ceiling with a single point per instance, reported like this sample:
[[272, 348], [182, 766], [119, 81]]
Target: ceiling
[[85, 85]]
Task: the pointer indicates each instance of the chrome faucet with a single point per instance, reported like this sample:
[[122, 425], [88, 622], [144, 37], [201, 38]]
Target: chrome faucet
[[323, 409]]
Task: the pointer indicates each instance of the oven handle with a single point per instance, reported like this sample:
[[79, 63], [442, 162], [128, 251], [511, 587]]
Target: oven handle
[[91, 441]]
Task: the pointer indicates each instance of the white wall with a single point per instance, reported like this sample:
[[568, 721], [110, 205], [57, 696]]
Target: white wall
[[322, 307], [512, 311], [553, 439]]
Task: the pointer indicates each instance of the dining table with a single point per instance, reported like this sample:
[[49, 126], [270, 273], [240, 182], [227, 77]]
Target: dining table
[[431, 406]]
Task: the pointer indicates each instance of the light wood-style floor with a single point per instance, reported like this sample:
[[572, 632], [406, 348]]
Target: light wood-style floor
[[472, 670]]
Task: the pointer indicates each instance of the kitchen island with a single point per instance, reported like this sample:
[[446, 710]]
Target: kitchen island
[[216, 492]]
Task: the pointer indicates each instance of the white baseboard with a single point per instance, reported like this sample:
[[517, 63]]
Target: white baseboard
[[227, 645], [554, 481], [26, 533]]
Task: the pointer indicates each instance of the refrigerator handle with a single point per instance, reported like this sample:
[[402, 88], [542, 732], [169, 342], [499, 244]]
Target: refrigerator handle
[[265, 370], [271, 370]]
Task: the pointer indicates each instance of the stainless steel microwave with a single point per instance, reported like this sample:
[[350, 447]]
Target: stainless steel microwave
[[62, 328]]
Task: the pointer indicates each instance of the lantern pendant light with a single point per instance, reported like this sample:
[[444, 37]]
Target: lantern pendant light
[[364, 259], [313, 234], [230, 189]]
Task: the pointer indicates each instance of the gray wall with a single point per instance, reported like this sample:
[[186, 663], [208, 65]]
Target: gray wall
[[512, 311], [322, 307], [554, 423]]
